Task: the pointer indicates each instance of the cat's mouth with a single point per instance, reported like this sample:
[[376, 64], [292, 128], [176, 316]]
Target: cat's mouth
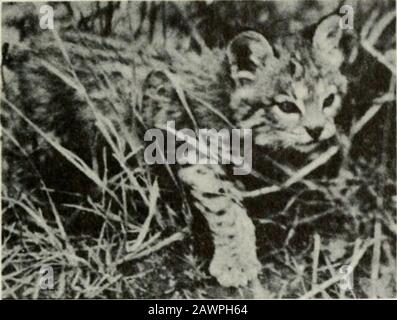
[[310, 143], [316, 144], [306, 147]]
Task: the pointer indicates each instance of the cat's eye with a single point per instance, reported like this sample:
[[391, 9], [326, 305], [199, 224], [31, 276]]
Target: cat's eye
[[329, 101], [288, 107]]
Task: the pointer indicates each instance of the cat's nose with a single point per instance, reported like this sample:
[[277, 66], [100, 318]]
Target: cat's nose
[[315, 132]]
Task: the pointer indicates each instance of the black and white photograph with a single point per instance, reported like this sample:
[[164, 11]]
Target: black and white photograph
[[187, 150]]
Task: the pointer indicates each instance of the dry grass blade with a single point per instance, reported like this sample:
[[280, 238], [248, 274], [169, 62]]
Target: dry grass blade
[[96, 291], [54, 209], [153, 197], [38, 219], [215, 111], [299, 175], [181, 95], [178, 236], [375, 264], [316, 254], [369, 38], [357, 255], [71, 157], [165, 242], [61, 75], [371, 112], [380, 26]]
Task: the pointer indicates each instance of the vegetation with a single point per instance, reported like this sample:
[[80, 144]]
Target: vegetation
[[111, 229]]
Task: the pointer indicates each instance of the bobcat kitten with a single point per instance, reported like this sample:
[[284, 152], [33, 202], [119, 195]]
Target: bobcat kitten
[[288, 92]]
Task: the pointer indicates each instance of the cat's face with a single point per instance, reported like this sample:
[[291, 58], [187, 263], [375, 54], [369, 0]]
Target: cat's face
[[288, 94]]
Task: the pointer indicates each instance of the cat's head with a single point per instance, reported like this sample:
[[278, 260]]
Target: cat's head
[[289, 92]]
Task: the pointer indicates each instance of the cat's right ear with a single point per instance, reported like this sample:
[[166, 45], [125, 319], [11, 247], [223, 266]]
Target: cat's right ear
[[247, 52]]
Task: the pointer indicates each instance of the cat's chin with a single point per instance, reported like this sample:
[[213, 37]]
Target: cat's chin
[[306, 147], [315, 146]]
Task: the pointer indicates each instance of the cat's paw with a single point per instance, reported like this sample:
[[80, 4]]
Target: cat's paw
[[234, 270]]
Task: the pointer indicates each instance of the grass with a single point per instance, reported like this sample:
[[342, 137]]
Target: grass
[[135, 243], [88, 266]]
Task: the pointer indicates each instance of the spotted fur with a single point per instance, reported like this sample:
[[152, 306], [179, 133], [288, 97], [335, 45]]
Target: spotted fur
[[288, 92]]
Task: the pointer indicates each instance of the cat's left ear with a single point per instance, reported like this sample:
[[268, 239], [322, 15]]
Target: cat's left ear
[[247, 52], [326, 40]]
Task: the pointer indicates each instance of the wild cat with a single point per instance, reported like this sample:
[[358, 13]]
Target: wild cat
[[287, 91]]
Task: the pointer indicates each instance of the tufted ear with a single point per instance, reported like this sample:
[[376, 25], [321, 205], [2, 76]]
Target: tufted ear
[[326, 40], [245, 53]]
